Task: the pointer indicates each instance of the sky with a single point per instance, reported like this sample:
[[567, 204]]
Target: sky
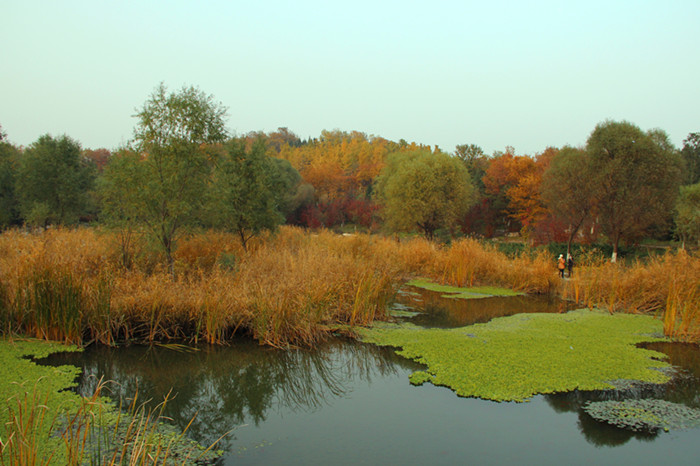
[[500, 73]]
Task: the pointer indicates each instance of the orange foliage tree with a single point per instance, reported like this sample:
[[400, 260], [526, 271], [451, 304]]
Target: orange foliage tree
[[514, 181], [341, 166]]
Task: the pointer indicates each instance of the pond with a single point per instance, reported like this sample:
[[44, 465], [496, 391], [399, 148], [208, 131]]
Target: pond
[[351, 403]]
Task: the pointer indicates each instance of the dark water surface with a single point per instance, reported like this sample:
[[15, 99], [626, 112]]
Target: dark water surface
[[351, 403]]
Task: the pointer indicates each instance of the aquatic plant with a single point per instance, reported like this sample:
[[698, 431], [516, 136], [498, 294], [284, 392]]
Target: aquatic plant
[[513, 358], [472, 292], [43, 423], [644, 415]]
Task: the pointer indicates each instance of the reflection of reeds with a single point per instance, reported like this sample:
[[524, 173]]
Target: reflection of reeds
[[289, 288]]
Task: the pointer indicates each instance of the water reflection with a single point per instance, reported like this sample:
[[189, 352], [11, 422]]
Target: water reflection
[[442, 312], [684, 388], [352, 402], [225, 387]]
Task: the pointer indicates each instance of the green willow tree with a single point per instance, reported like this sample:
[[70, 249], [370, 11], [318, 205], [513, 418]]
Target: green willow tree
[[635, 175], [567, 189], [172, 135], [424, 191], [54, 181], [250, 191], [120, 199]]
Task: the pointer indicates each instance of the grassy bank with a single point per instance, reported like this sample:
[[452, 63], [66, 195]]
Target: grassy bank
[[291, 288]]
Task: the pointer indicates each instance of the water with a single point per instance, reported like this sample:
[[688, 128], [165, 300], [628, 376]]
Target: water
[[351, 403]]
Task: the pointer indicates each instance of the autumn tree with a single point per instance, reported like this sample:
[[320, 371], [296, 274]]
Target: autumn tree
[[568, 191], [53, 182], [636, 179], [100, 157], [513, 183], [424, 191], [172, 134], [687, 214]]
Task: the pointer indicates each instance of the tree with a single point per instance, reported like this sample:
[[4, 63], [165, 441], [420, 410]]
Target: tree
[[120, 200], [100, 157], [636, 178], [688, 214], [172, 135], [425, 191], [567, 189], [9, 158], [53, 182], [513, 184], [249, 190], [691, 158], [467, 153]]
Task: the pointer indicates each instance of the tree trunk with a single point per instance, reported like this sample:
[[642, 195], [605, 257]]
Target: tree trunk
[[613, 259]]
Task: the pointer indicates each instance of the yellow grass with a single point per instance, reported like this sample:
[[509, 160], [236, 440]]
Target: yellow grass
[[667, 286], [290, 288]]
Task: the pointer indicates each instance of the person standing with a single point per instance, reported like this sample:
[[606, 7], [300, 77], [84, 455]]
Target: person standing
[[561, 265], [570, 264]]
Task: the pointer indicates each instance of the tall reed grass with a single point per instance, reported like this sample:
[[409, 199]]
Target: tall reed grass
[[291, 288], [37, 433], [667, 286]]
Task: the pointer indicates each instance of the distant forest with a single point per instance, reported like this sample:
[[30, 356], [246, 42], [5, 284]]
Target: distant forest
[[182, 170]]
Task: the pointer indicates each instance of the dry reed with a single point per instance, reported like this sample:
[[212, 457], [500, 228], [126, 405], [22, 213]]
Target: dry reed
[[288, 288], [667, 286]]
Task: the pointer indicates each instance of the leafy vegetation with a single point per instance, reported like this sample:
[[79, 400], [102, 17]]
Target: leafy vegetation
[[53, 182], [644, 415], [474, 292], [424, 191], [44, 423], [513, 358]]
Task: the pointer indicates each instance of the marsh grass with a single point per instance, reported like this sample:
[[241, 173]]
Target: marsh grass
[[666, 286], [25, 423], [293, 287], [37, 433]]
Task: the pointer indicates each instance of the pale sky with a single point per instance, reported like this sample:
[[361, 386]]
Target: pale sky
[[525, 74]]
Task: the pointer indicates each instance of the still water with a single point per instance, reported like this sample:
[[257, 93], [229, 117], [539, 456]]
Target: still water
[[351, 403]]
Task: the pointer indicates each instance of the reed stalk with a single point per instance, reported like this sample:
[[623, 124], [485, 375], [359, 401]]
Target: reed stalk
[[290, 288]]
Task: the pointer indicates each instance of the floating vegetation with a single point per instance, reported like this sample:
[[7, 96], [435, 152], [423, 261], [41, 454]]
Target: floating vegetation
[[44, 423], [401, 310], [513, 358], [474, 292], [644, 415]]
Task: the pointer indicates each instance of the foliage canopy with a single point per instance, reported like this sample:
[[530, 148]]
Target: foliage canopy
[[425, 191]]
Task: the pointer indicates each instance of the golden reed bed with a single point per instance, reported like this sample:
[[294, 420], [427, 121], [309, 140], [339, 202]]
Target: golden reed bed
[[290, 288]]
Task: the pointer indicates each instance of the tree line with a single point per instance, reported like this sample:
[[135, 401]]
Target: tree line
[[182, 169]]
